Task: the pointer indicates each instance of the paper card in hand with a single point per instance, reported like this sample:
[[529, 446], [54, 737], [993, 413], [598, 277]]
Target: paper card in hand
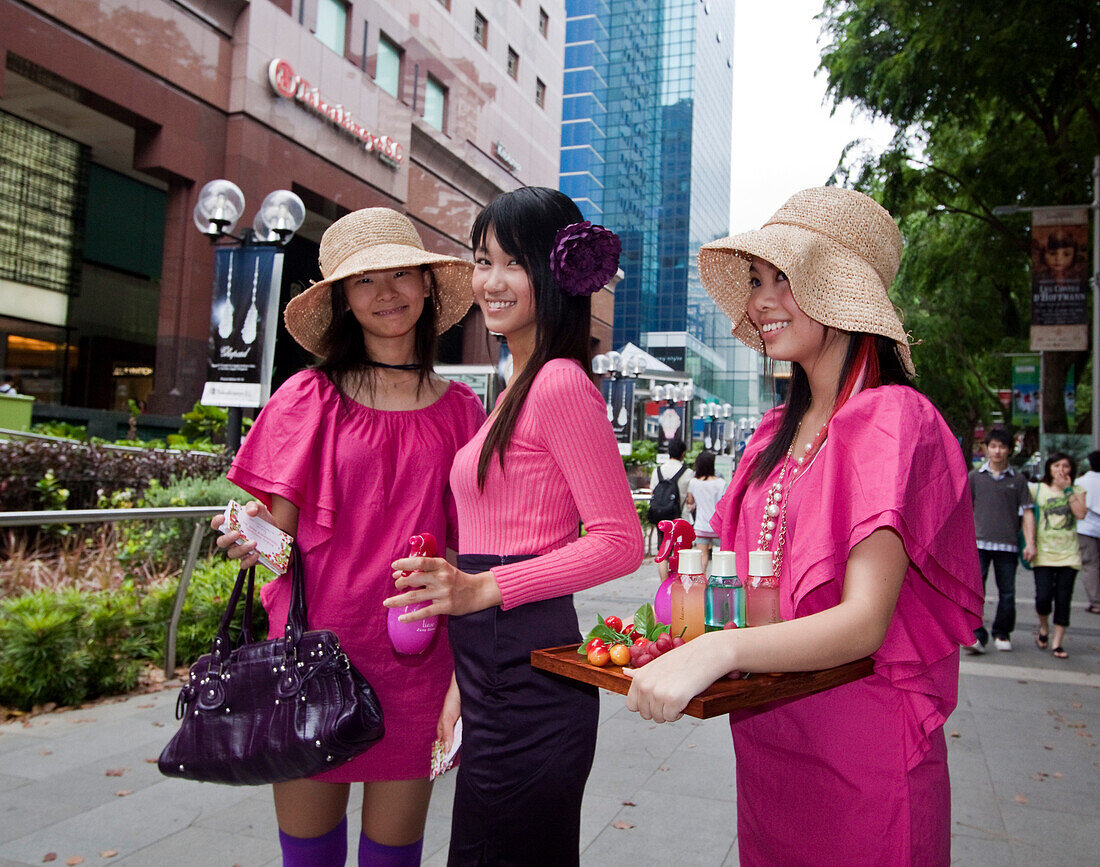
[[443, 759], [272, 544]]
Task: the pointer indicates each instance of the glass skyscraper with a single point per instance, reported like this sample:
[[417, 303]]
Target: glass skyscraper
[[646, 121]]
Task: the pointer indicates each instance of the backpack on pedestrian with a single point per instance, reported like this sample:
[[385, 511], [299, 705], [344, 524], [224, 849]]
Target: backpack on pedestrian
[[664, 502]]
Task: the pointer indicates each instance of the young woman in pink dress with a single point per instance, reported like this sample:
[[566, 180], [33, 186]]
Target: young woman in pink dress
[[352, 458], [859, 490], [545, 462]]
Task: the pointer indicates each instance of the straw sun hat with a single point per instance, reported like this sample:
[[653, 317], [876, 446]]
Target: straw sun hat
[[375, 239], [840, 251]]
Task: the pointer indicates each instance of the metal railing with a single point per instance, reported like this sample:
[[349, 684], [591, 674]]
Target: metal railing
[[110, 516]]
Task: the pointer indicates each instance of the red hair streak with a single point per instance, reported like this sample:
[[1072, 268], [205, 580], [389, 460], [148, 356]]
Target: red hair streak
[[864, 368]]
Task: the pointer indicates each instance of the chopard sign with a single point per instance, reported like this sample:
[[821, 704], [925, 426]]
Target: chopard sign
[[287, 83]]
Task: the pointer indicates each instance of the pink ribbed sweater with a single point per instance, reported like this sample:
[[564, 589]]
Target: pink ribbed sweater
[[561, 468]]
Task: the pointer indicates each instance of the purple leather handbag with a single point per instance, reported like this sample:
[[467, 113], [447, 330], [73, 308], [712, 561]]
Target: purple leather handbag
[[271, 711]]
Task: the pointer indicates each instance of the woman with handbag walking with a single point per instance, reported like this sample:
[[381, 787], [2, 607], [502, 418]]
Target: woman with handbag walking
[[352, 457], [544, 462]]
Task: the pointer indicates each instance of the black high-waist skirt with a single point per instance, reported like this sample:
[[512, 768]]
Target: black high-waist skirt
[[528, 737]]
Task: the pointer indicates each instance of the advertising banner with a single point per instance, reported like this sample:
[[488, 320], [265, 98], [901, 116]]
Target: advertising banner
[[669, 419], [1059, 282], [244, 312], [618, 394], [1025, 391]]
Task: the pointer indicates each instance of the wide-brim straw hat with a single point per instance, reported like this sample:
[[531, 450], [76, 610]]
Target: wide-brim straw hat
[[376, 239], [840, 251]]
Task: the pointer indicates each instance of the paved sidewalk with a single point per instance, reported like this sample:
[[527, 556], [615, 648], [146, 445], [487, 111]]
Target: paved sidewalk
[[1022, 744]]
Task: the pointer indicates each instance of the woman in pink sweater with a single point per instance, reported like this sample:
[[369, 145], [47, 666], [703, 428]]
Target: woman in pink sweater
[[545, 462]]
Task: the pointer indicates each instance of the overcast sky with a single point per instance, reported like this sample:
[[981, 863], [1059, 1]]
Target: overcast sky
[[784, 139]]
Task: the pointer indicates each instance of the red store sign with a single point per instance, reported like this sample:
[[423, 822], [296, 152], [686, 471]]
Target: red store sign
[[288, 84]]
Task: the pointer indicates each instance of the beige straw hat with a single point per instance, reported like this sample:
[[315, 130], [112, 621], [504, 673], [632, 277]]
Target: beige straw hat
[[376, 239], [840, 251]]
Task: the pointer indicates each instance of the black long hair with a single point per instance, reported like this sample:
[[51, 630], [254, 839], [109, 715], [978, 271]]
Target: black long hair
[[704, 465], [344, 352], [1048, 478], [525, 222], [878, 351]]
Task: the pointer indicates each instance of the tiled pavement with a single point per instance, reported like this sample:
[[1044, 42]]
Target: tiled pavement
[[1022, 744]]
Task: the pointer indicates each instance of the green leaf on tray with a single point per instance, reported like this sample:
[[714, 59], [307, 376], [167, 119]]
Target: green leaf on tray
[[646, 622]]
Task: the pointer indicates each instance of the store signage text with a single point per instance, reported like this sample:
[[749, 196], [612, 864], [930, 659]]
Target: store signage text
[[501, 153], [288, 84]]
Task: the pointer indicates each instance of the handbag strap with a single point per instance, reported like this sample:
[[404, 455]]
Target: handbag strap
[[222, 644], [246, 621], [296, 617]]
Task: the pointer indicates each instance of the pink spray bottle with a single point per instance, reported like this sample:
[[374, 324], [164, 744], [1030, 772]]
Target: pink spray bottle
[[413, 638], [678, 534]]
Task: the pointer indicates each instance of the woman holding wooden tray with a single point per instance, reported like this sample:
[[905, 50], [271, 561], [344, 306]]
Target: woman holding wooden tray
[[858, 488]]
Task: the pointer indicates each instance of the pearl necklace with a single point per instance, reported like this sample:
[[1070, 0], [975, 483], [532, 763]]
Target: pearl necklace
[[775, 505]]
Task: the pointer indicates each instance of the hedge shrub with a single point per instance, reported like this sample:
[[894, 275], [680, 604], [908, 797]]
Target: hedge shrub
[[69, 646], [86, 469]]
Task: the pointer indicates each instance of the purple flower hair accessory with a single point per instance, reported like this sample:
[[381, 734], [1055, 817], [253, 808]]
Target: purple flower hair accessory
[[585, 258]]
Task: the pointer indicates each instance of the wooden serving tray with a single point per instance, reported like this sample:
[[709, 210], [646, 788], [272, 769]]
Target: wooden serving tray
[[717, 699]]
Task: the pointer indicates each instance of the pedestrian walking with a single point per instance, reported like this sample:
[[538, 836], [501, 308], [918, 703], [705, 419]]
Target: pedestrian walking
[[857, 489], [1002, 505], [1088, 533], [352, 457], [1057, 554], [704, 491]]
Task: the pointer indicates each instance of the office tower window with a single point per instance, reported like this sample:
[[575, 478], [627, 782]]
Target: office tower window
[[332, 24], [435, 103], [481, 29], [544, 21], [513, 63], [387, 73], [540, 93]]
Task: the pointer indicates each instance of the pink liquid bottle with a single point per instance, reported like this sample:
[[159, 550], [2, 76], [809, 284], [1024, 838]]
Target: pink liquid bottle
[[413, 638], [689, 595], [761, 590], [678, 535]]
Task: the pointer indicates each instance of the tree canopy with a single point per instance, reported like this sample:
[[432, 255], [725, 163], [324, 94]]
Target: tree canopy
[[995, 102]]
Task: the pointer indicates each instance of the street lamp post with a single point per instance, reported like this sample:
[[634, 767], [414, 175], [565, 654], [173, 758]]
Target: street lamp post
[[219, 208], [1094, 206]]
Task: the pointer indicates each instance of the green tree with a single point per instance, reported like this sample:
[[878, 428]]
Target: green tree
[[995, 102]]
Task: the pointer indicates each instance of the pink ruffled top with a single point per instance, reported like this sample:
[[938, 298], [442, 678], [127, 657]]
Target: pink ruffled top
[[889, 460], [364, 480], [561, 468]]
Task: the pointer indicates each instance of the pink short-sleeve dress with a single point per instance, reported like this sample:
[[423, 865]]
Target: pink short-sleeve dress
[[858, 774], [364, 480]]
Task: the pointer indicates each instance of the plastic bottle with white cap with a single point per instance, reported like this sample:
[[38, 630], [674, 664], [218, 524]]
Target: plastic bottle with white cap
[[688, 598], [725, 594], [762, 590]]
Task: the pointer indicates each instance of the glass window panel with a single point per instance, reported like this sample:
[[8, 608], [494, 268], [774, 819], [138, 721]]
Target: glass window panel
[[387, 73], [435, 98], [332, 24], [43, 189], [481, 29]]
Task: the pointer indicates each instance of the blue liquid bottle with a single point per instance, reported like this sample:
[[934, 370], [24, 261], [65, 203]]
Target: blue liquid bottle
[[725, 593]]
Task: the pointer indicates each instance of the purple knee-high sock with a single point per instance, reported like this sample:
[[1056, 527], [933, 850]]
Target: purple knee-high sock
[[328, 850], [372, 854]]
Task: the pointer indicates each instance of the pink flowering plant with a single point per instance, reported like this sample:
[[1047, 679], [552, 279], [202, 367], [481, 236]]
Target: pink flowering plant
[[585, 258]]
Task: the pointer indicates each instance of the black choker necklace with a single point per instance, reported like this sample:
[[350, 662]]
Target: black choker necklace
[[413, 366]]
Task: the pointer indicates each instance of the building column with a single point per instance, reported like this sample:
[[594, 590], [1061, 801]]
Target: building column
[[183, 323]]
